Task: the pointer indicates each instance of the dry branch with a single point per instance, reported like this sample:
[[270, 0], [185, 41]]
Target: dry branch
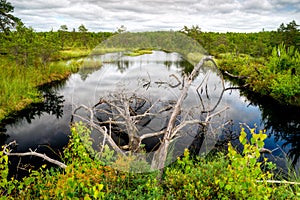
[[103, 131], [160, 155], [32, 153], [280, 182], [234, 76]]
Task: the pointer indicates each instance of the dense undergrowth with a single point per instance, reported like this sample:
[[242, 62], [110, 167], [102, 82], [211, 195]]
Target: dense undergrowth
[[222, 176], [276, 76]]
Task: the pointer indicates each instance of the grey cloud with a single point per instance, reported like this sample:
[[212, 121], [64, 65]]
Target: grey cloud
[[217, 6], [257, 6], [38, 4], [210, 15], [284, 2]]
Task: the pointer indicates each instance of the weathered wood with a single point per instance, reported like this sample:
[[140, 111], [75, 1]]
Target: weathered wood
[[32, 153], [160, 156], [234, 76]]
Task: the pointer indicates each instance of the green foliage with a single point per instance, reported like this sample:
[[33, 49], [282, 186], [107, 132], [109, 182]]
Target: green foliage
[[7, 20], [26, 61], [284, 59], [289, 34], [139, 52], [234, 176], [244, 170], [282, 76], [82, 28], [255, 44], [246, 54], [285, 86], [28, 48], [277, 77], [231, 176], [18, 85]]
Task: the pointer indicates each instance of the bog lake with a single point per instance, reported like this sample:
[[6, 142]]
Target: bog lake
[[158, 76]]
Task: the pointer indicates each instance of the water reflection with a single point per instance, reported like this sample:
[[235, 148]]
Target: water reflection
[[53, 105], [43, 127], [123, 63], [283, 123], [48, 123]]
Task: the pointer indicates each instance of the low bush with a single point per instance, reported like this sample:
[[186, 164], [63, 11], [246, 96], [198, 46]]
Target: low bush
[[225, 176]]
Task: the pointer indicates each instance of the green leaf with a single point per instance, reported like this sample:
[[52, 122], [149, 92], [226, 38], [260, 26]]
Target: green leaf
[[256, 136], [260, 144], [228, 187], [221, 184], [263, 136]]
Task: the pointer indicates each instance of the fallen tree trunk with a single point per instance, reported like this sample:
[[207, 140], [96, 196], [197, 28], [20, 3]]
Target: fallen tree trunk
[[32, 153]]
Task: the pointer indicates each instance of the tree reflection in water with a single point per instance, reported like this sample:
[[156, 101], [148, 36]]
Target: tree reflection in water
[[53, 104], [282, 122]]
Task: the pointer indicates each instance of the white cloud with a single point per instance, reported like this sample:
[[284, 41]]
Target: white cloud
[[210, 15]]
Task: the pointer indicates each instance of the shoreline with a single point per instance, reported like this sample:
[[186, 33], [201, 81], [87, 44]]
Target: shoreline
[[63, 74], [56, 71]]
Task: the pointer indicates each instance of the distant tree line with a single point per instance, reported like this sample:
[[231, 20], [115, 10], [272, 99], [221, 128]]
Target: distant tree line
[[27, 47], [258, 44], [80, 38]]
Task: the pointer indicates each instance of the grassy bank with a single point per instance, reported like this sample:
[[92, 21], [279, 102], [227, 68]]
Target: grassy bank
[[277, 76], [72, 53], [18, 84]]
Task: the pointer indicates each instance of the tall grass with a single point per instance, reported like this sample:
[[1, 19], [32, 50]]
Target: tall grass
[[18, 84], [72, 53]]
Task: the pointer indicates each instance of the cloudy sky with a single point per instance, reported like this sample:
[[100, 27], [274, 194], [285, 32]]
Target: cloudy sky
[[146, 15]]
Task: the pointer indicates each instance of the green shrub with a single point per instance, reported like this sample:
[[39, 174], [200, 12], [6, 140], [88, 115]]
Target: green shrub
[[230, 176]]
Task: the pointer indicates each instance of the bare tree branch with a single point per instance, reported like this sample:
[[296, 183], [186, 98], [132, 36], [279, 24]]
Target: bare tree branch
[[234, 76], [208, 117], [132, 113], [98, 128], [149, 135], [160, 155], [186, 123], [32, 153], [169, 84], [280, 182]]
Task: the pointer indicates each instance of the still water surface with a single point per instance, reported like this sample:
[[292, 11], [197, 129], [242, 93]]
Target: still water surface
[[45, 127]]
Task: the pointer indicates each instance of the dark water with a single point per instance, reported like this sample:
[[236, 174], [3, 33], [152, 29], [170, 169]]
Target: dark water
[[45, 127]]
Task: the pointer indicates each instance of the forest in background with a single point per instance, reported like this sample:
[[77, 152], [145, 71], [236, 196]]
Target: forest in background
[[258, 44]]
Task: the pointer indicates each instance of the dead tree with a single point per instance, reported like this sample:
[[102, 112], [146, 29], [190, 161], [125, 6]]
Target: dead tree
[[129, 114], [121, 112], [171, 132]]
